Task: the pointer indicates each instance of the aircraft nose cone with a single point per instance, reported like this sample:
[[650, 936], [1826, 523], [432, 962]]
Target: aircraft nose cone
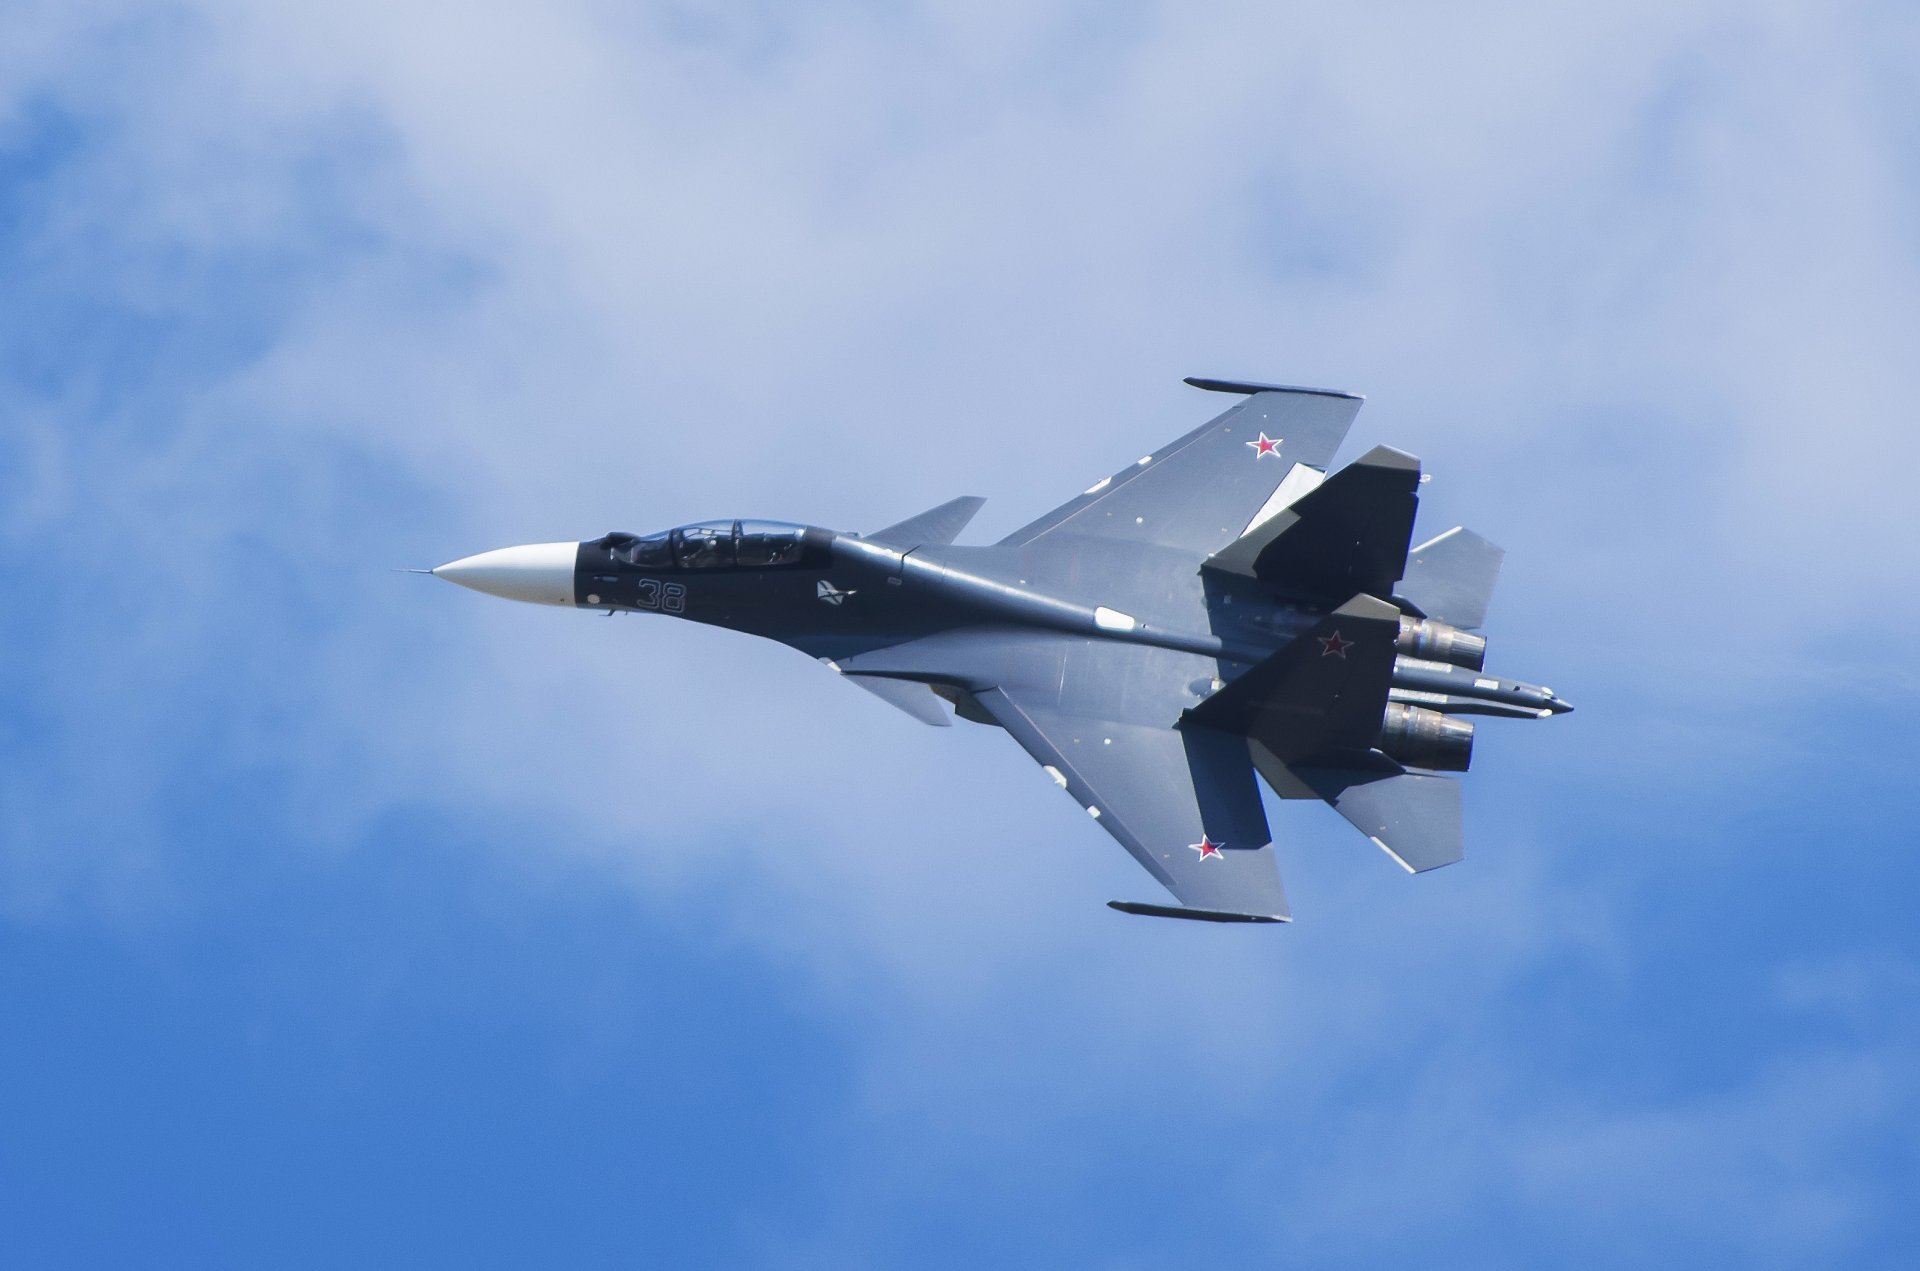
[[538, 573], [1559, 705]]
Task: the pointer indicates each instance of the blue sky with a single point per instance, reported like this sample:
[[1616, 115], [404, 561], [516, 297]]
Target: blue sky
[[349, 919]]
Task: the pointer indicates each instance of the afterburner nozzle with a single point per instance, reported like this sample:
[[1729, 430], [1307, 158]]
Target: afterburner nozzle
[[538, 573], [1440, 642]]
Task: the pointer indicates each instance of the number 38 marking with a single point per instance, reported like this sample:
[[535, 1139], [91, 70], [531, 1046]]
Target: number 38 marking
[[655, 594]]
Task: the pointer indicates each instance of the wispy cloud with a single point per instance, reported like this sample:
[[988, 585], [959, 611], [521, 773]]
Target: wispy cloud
[[306, 293]]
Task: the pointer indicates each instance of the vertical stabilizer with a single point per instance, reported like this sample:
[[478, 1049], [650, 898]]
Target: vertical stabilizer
[[1349, 534], [1451, 577]]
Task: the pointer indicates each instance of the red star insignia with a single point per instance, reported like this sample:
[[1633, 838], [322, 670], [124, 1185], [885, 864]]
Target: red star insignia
[[1266, 446], [1207, 847], [1334, 646]]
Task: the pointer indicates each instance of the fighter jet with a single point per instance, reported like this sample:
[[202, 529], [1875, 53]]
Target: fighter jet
[[1222, 607]]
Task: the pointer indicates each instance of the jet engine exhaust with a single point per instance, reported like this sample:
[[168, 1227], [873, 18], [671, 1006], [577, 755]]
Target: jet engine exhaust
[[1438, 642], [1422, 738]]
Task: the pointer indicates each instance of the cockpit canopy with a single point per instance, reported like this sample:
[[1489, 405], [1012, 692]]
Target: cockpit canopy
[[712, 545]]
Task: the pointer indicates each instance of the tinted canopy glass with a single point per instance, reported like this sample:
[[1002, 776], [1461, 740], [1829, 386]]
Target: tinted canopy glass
[[708, 546], [765, 543], [651, 551], [711, 545]]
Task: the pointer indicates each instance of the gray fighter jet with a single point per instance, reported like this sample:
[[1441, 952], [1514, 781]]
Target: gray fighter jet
[[1221, 607]]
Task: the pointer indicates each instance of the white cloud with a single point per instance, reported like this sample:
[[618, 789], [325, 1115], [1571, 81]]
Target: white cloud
[[1636, 279]]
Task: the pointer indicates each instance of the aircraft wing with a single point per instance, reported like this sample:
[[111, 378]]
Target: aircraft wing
[[1101, 717], [1183, 802], [1210, 487]]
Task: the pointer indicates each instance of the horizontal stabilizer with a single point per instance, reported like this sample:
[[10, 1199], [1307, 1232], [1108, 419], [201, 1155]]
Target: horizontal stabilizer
[[934, 528], [1347, 535], [1323, 694], [1451, 578], [914, 698], [1412, 817]]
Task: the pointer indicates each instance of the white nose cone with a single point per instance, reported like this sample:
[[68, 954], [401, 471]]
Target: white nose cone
[[539, 573]]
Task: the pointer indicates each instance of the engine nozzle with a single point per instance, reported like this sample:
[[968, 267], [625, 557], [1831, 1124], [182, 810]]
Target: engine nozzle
[[1422, 738], [1439, 642]]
